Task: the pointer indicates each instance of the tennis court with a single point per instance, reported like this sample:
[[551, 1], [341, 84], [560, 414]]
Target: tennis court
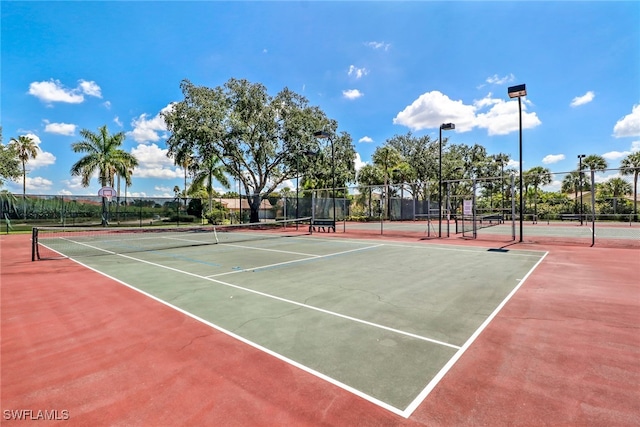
[[382, 320], [606, 234]]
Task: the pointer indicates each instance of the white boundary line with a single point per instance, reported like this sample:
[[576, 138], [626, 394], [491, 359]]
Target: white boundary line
[[408, 411], [262, 267], [432, 384], [235, 245], [299, 304], [256, 346]]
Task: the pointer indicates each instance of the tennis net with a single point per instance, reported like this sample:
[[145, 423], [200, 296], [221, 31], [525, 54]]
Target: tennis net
[[469, 223], [70, 242]]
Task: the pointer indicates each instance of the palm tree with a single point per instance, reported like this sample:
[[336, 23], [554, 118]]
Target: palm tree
[[631, 166], [184, 159], [595, 163], [26, 148], [615, 188], [205, 173], [103, 155], [571, 183], [536, 177]]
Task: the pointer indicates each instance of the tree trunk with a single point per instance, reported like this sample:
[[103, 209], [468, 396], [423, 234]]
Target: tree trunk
[[635, 196], [24, 191], [254, 204]]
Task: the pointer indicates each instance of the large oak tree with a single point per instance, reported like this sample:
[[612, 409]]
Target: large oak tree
[[262, 140]]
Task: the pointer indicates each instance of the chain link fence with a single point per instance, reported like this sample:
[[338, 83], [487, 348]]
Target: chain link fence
[[588, 208]]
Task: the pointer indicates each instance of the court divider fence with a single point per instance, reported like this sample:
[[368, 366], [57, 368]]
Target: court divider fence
[[558, 207]]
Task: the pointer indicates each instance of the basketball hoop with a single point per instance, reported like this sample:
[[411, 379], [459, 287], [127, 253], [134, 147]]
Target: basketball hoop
[[107, 192]]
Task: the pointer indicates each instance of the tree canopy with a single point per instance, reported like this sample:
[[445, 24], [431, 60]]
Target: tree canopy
[[9, 162], [103, 154], [261, 140]]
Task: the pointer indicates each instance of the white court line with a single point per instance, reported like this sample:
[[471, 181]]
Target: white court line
[[406, 413], [425, 392], [272, 353], [262, 267], [270, 250], [264, 294], [318, 374], [442, 247]]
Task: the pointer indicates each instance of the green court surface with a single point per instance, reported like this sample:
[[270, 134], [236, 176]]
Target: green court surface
[[382, 320], [569, 230]]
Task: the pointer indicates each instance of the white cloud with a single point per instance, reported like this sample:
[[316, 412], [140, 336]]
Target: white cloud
[[378, 45], [117, 121], [615, 155], [433, 108], [365, 139], [90, 88], [497, 80], [357, 72], [629, 125], [352, 93], [512, 163], [43, 159], [146, 130], [107, 105], [60, 128], [37, 183], [584, 99], [503, 118], [65, 193], [358, 162], [154, 163], [75, 183], [164, 189], [552, 158], [54, 91]]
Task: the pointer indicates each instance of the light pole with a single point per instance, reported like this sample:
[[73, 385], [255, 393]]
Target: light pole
[[444, 126], [518, 92], [322, 135], [580, 157]]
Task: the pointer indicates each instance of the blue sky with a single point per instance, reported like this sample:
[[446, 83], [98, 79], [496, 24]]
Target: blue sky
[[378, 68]]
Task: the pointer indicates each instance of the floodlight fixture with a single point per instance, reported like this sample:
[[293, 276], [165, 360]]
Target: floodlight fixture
[[444, 126], [517, 91]]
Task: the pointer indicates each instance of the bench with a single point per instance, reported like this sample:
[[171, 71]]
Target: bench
[[493, 217], [323, 225], [570, 217]]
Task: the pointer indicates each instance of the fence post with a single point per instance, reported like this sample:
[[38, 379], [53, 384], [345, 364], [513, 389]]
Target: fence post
[[513, 207], [593, 208], [473, 208]]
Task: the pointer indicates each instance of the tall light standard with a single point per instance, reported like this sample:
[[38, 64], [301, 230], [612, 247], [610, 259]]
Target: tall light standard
[[518, 92], [322, 135], [444, 126], [580, 157]]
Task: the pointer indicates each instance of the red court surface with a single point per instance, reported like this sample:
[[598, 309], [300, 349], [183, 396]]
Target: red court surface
[[565, 350]]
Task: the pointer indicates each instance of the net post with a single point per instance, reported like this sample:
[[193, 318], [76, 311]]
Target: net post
[[448, 206], [593, 209], [34, 243], [513, 207], [313, 211], [474, 208]]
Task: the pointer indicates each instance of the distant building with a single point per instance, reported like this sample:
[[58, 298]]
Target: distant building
[[235, 206]]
